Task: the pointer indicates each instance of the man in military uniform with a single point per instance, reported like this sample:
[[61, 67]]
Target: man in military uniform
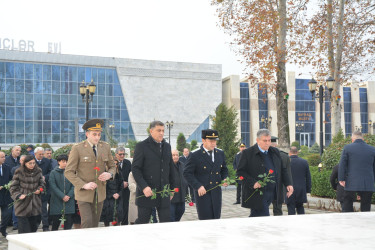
[[235, 164], [277, 207], [90, 184], [204, 170]]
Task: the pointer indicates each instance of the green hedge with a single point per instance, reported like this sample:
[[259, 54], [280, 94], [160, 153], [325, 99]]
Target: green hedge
[[231, 172], [320, 184], [63, 150]]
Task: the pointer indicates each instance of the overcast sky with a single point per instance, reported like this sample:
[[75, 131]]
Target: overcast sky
[[167, 30]]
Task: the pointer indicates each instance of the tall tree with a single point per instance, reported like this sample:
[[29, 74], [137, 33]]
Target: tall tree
[[338, 41], [225, 122], [259, 31]]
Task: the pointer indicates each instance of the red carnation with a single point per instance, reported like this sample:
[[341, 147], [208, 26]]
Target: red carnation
[[114, 223], [62, 226], [241, 178], [176, 190], [97, 169], [191, 204], [41, 189], [271, 171]]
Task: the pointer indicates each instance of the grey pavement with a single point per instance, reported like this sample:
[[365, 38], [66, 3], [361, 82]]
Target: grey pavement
[[315, 205]]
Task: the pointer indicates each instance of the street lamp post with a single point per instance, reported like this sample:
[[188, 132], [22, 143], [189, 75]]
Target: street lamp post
[[312, 87], [266, 121], [86, 91], [169, 127]]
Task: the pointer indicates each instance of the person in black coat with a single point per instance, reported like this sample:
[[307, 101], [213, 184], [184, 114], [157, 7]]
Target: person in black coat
[[13, 159], [301, 183], [340, 192], [235, 164], [46, 166], [5, 200], [178, 201], [152, 169], [206, 169], [256, 160], [183, 160], [357, 172], [113, 191], [124, 169]]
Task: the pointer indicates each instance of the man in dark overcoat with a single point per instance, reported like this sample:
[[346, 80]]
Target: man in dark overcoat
[[13, 159], [5, 200], [183, 160], [301, 183], [256, 160], [124, 167], [235, 164], [204, 170], [152, 169], [46, 166], [357, 172]]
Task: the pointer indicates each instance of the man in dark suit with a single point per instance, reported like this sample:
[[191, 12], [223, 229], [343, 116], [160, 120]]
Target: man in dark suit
[[301, 183], [152, 169], [204, 171], [5, 200], [124, 171], [256, 160], [46, 166], [357, 172], [183, 159], [235, 164], [277, 206], [13, 159]]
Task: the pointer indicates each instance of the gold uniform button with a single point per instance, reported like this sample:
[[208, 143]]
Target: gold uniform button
[[210, 182], [204, 167], [217, 172], [217, 182]]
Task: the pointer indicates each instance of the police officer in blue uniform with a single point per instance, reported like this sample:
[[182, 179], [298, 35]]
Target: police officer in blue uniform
[[206, 168]]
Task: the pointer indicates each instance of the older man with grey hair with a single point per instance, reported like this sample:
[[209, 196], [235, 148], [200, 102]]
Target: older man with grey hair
[[257, 160], [124, 168], [13, 159], [357, 172], [46, 166]]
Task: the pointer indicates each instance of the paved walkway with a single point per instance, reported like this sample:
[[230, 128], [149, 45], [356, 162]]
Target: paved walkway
[[315, 205]]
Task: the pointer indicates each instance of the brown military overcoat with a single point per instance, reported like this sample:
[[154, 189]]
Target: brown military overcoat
[[80, 169]]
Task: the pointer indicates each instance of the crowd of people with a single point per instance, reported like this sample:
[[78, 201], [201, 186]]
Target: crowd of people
[[89, 185]]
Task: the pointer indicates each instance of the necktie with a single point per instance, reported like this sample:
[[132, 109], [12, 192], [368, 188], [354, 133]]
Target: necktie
[[93, 149], [1, 170], [265, 152], [210, 154], [120, 165]]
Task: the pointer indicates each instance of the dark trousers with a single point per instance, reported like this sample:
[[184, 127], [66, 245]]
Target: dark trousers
[[125, 206], [6, 216], [14, 218], [365, 201], [268, 197], [144, 214], [177, 210], [45, 215], [28, 224], [191, 192], [293, 206], [56, 222], [238, 197], [277, 208]]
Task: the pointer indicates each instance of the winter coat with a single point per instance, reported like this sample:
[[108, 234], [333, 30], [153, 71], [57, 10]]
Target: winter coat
[[5, 178], [61, 186], [26, 181], [181, 183], [133, 210], [301, 180], [113, 187]]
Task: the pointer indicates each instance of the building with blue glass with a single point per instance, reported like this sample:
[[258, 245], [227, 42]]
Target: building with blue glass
[[40, 100], [256, 108]]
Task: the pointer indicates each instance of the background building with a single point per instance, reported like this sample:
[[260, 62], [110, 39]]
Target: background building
[[40, 100], [357, 102]]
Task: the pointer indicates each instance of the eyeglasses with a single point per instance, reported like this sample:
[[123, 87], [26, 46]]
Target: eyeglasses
[[121, 154]]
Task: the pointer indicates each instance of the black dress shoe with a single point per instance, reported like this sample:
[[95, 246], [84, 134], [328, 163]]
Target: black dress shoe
[[4, 234], [15, 228], [46, 230], [237, 202]]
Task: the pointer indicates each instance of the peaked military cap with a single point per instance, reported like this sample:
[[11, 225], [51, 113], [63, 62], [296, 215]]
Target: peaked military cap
[[242, 145], [274, 138], [209, 134], [93, 125]]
